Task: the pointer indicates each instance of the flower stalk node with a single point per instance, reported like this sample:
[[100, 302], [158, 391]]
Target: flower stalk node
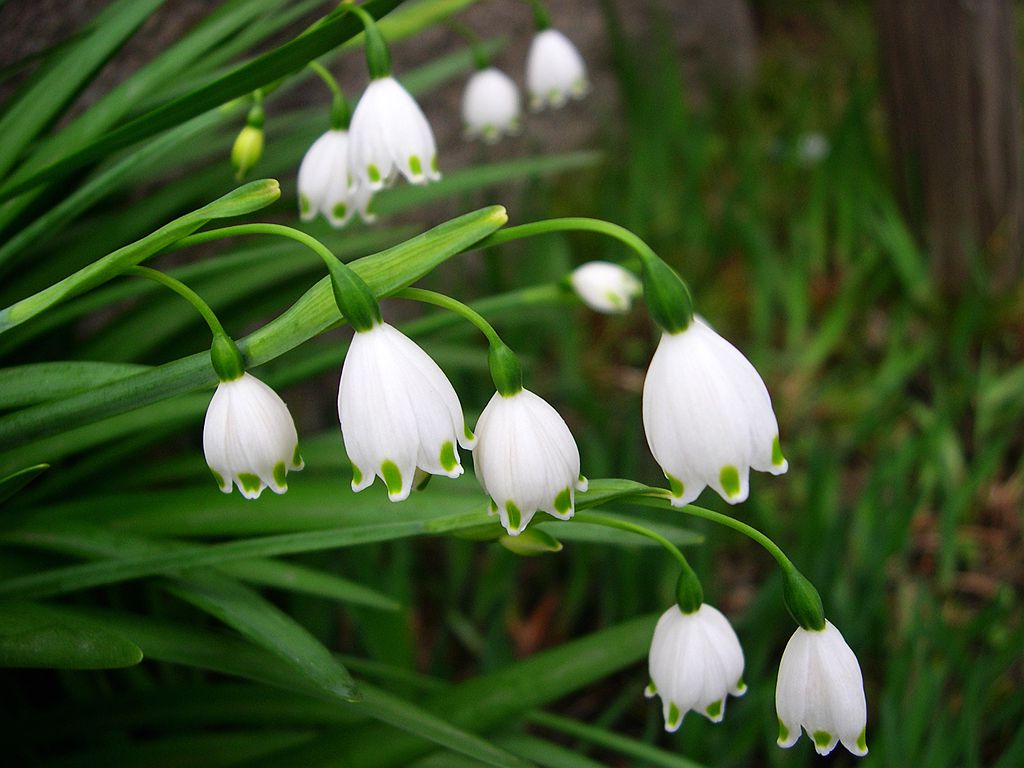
[[226, 358], [689, 592], [353, 296], [378, 58], [668, 299]]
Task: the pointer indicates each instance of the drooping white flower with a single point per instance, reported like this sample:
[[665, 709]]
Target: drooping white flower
[[490, 105], [605, 287], [390, 134], [695, 661], [821, 689], [708, 416], [327, 187], [554, 70], [526, 460], [398, 412], [249, 437]]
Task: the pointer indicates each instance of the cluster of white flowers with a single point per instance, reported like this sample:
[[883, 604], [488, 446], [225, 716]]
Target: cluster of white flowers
[[555, 72]]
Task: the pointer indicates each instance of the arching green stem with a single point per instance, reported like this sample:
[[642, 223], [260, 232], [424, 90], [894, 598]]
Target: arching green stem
[[802, 598], [666, 293], [354, 298], [184, 291], [689, 593], [481, 59], [340, 112], [505, 369], [541, 18], [224, 353], [378, 59]]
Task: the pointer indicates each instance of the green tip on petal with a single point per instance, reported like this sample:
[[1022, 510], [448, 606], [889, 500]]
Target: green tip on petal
[[675, 485], [563, 501], [448, 460], [392, 477], [297, 462], [515, 518], [783, 733], [730, 479], [373, 172], [741, 687], [862, 740], [304, 205], [357, 476], [674, 716], [339, 210], [822, 738], [433, 164], [280, 475], [777, 458], [415, 165], [221, 482], [468, 433], [250, 482], [651, 690], [714, 709]]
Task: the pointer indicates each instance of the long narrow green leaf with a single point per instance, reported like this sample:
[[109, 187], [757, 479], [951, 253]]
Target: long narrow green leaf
[[292, 56], [246, 199], [13, 483], [38, 105], [385, 273], [264, 624], [36, 636], [27, 384], [78, 577]]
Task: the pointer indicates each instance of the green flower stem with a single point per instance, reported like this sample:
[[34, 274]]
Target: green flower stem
[[340, 113], [541, 18], [505, 369], [666, 293], [452, 305], [481, 58], [354, 298], [224, 353], [802, 599], [378, 60], [689, 594], [185, 292]]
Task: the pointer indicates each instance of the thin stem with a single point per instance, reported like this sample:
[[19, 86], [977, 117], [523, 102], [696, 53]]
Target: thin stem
[[259, 229], [185, 292], [452, 305], [730, 522], [339, 105], [571, 224], [480, 56], [613, 522]]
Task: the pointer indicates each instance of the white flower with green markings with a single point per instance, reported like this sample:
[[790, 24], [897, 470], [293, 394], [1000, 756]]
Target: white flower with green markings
[[249, 437], [526, 460], [389, 134], [695, 660], [398, 412], [555, 71], [606, 287], [821, 690], [490, 105], [327, 187], [708, 416]]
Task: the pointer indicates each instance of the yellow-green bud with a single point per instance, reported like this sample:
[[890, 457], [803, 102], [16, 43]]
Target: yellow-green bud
[[247, 150]]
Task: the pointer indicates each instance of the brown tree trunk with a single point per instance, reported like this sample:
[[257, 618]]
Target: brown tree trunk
[[951, 89]]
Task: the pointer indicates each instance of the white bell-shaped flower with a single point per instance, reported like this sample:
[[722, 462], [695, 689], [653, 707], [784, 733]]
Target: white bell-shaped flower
[[249, 437], [326, 186], [606, 287], [490, 105], [821, 689], [398, 412], [526, 460], [708, 416], [554, 70], [389, 134], [695, 661]]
